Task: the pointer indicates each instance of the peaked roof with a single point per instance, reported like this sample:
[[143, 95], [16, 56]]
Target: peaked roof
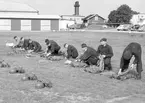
[[91, 16], [15, 7]]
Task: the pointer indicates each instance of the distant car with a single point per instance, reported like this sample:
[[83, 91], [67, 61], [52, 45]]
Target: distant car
[[125, 27], [141, 28], [75, 26], [120, 28], [135, 28], [105, 26]]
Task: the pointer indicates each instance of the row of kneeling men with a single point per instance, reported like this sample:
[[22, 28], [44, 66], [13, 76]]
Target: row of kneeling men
[[90, 56]]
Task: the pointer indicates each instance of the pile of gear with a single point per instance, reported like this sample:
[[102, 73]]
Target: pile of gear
[[27, 77]]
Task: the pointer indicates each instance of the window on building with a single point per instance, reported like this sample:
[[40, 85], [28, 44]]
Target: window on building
[[96, 18]]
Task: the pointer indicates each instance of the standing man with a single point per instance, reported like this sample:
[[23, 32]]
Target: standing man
[[133, 49], [106, 52], [71, 51], [90, 55], [34, 46], [52, 47]]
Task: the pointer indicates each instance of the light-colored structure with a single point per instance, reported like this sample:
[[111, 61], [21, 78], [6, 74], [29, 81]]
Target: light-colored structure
[[138, 19], [64, 24], [29, 22], [21, 17], [76, 18]]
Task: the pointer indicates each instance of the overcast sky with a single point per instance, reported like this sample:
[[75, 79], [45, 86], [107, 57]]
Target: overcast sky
[[101, 7]]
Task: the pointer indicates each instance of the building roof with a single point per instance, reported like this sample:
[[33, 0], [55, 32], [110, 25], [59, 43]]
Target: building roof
[[73, 15], [20, 16], [91, 16], [15, 7]]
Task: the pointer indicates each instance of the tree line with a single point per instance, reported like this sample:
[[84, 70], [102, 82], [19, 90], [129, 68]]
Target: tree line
[[122, 15]]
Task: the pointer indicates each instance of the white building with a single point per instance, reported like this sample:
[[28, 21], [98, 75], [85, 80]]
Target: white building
[[67, 20], [76, 18], [138, 19], [63, 24]]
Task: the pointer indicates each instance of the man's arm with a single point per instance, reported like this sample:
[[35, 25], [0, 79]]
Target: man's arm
[[85, 56], [69, 53], [48, 49], [17, 46], [26, 46], [110, 53], [98, 50], [52, 49], [121, 66], [35, 47], [138, 61], [121, 63]]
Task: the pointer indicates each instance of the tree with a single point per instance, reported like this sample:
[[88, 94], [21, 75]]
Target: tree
[[122, 15], [135, 12], [112, 18]]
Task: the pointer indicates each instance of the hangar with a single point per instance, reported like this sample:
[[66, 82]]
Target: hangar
[[22, 17], [29, 22]]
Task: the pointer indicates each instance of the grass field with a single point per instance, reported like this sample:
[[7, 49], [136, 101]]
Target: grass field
[[70, 85]]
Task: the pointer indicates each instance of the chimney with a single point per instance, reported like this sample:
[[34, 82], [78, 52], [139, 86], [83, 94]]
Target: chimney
[[77, 5]]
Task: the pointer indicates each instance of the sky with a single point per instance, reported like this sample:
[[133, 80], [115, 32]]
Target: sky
[[66, 7]]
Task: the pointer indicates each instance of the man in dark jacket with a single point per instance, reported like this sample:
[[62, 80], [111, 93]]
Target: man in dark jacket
[[90, 55], [71, 51], [25, 43], [34, 46], [52, 47], [132, 49], [105, 52]]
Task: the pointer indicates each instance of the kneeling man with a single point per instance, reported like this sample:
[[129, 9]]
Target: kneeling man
[[133, 49], [34, 46], [90, 55], [52, 47], [71, 51], [106, 52]]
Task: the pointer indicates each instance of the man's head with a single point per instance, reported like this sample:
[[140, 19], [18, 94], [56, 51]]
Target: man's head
[[47, 41], [15, 38], [66, 45], [30, 41], [127, 55], [103, 41], [84, 47], [22, 39]]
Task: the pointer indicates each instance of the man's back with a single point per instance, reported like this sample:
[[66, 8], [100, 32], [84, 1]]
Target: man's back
[[72, 48], [72, 51], [91, 52], [54, 45], [26, 44], [133, 47]]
